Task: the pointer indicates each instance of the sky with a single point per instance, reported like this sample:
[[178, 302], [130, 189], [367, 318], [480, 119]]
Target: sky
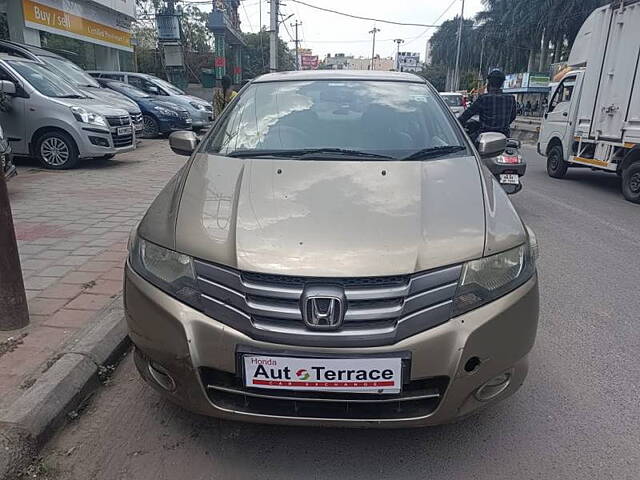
[[329, 33]]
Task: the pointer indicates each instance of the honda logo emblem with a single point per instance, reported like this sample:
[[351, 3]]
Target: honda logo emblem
[[323, 308]]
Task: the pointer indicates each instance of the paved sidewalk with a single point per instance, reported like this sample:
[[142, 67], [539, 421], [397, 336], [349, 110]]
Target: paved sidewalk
[[72, 229]]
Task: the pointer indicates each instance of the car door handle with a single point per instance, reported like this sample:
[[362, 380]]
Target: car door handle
[[565, 114]]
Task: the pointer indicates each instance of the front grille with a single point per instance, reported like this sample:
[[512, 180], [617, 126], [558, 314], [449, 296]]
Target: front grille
[[417, 399], [136, 118], [119, 121], [122, 141], [380, 310]]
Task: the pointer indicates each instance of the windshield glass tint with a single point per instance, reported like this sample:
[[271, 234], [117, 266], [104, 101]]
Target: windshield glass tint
[[452, 100], [168, 87], [71, 72], [395, 119], [44, 80], [129, 90]]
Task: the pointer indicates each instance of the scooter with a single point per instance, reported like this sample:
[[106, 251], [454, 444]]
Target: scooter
[[507, 167]]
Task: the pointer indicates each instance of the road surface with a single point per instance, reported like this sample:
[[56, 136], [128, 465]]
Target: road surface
[[577, 416]]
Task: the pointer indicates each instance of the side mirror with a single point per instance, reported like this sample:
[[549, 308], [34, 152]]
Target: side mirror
[[183, 142], [7, 87], [491, 144]]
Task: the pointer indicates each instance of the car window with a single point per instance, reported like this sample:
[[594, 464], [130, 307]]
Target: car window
[[172, 89], [563, 93], [388, 118], [44, 80], [452, 100], [71, 72], [114, 76], [128, 90], [144, 85]]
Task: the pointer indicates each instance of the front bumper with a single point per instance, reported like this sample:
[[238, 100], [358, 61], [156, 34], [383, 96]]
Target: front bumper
[[96, 142], [185, 343], [201, 118], [173, 124]]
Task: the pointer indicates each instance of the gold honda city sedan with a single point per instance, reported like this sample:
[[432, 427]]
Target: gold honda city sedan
[[333, 253]]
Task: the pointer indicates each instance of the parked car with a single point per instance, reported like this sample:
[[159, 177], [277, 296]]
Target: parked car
[[201, 111], [455, 101], [74, 75], [159, 117], [333, 254], [50, 119]]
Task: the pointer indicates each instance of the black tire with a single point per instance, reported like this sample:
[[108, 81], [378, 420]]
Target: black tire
[[556, 166], [631, 182], [150, 128], [56, 151]]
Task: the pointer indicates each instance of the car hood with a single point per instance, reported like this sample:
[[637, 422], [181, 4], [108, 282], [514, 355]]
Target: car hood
[[94, 105], [331, 219], [199, 100], [169, 105], [104, 95]]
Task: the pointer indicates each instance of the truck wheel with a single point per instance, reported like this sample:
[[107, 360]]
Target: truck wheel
[[56, 151], [631, 182], [556, 166]]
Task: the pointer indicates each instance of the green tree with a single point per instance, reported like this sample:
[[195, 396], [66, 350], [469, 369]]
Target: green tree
[[436, 75], [256, 55]]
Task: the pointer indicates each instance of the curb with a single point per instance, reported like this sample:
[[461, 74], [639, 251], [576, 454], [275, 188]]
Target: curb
[[27, 424]]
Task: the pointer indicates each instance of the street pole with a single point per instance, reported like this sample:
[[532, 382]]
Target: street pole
[[273, 37], [373, 50], [481, 60], [296, 25], [456, 76], [398, 41], [14, 312]]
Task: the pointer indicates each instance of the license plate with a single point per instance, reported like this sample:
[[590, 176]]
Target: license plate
[[509, 179], [124, 131], [352, 375]]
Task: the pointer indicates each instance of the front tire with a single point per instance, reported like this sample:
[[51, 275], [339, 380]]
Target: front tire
[[150, 128], [556, 165], [631, 182], [56, 151]]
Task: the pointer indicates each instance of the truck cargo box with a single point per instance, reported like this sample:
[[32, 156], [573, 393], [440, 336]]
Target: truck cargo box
[[608, 47]]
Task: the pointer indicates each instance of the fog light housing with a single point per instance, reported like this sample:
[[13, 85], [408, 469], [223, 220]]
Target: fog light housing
[[99, 141], [493, 387], [162, 377]]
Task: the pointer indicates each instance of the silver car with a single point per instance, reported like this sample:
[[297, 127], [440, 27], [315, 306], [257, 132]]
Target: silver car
[[455, 102], [334, 253], [200, 110], [46, 117], [77, 77]]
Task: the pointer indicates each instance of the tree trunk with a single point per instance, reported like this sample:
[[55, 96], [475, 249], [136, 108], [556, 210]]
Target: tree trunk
[[544, 51], [557, 50]]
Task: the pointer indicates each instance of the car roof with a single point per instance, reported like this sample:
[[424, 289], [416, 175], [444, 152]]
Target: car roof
[[22, 49], [339, 75], [8, 56], [119, 72]]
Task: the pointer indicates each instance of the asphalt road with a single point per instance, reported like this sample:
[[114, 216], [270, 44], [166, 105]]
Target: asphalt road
[[577, 416]]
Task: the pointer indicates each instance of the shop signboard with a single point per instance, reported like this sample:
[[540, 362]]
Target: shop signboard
[[82, 20], [538, 80]]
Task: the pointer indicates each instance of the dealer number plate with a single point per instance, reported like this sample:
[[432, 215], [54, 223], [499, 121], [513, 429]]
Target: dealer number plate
[[509, 179], [124, 131], [353, 375]]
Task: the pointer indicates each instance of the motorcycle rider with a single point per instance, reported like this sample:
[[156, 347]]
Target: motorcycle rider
[[496, 109]]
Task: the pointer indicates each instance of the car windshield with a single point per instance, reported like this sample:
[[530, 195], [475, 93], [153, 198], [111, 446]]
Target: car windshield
[[453, 100], [45, 81], [394, 120], [168, 87], [128, 90], [71, 72]]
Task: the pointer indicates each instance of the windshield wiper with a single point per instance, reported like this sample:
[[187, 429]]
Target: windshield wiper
[[302, 153], [71, 96], [433, 152]]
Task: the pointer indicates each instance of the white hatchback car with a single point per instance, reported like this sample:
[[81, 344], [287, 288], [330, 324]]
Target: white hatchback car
[[455, 102]]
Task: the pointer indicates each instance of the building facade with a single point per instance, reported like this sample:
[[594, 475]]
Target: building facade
[[94, 33], [340, 61], [408, 62]]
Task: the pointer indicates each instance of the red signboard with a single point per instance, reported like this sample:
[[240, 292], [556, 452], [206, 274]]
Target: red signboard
[[220, 62]]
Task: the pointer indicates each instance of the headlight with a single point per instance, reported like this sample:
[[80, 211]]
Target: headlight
[[165, 111], [85, 116], [168, 270], [487, 279], [198, 106]]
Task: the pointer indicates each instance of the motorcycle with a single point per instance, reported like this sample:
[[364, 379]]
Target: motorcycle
[[508, 167], [7, 168]]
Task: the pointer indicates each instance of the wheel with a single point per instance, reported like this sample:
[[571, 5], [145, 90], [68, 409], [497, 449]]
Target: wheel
[[556, 166], [150, 127], [631, 182], [56, 151]]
